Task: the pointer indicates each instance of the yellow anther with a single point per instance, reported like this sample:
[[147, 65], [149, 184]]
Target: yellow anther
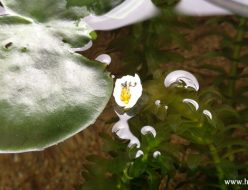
[[125, 94]]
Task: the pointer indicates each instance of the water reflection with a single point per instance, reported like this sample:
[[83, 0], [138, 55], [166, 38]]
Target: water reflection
[[157, 103], [156, 154], [84, 48], [2, 11], [212, 7], [128, 12], [181, 77], [148, 130], [208, 114], [199, 8], [191, 102], [139, 153], [104, 58], [122, 130]]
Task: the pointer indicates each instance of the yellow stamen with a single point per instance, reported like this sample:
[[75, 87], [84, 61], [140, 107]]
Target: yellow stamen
[[125, 95]]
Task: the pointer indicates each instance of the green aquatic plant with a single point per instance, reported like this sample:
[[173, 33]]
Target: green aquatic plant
[[201, 135], [180, 134]]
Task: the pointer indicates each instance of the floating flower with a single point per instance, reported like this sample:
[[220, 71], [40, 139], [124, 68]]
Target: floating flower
[[127, 91]]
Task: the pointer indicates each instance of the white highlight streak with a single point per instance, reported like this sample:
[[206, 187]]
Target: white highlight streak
[[148, 129], [208, 114], [122, 130], [139, 153], [156, 154], [86, 47], [104, 58], [203, 8], [180, 76], [128, 12], [191, 101]]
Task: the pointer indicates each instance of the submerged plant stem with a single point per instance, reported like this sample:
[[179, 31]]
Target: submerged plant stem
[[217, 161], [236, 55]]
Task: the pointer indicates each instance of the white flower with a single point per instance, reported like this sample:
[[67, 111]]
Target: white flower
[[127, 91]]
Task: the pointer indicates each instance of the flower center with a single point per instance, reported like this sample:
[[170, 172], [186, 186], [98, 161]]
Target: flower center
[[125, 93]]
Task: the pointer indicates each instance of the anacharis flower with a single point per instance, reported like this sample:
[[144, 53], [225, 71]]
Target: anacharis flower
[[127, 91]]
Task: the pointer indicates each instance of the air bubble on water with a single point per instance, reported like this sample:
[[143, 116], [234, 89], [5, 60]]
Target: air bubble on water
[[166, 107], [183, 78], [122, 130], [139, 153], [192, 102], [113, 76], [128, 12], [157, 102], [208, 114], [84, 48], [148, 129], [156, 154], [104, 58]]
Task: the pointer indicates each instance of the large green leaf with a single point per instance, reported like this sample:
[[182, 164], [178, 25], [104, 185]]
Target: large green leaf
[[98, 6], [47, 92], [44, 10]]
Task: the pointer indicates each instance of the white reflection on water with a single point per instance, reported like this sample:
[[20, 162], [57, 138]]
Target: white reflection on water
[[122, 130], [2, 11], [156, 154], [104, 58], [203, 8], [192, 102], [181, 77], [157, 103], [148, 130], [208, 114], [84, 48], [128, 12], [139, 153]]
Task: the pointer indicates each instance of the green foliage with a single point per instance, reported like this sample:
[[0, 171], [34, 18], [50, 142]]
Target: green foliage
[[205, 143], [97, 6], [48, 92], [145, 47], [196, 152]]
